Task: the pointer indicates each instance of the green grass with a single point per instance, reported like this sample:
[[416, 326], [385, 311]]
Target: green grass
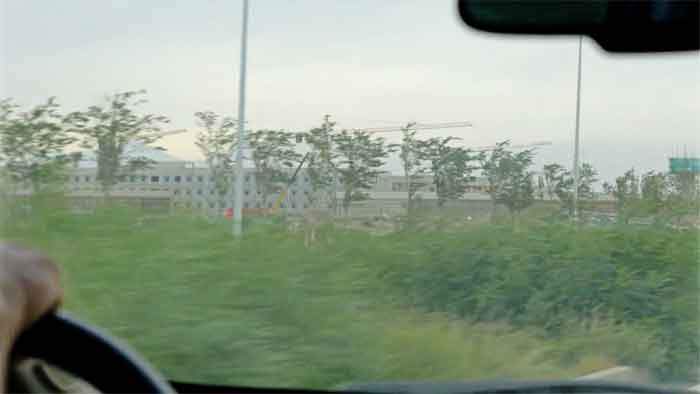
[[268, 311]]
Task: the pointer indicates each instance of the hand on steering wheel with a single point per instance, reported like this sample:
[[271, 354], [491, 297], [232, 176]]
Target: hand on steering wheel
[[29, 289], [29, 292]]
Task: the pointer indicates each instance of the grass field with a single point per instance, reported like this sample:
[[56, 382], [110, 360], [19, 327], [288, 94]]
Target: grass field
[[268, 311]]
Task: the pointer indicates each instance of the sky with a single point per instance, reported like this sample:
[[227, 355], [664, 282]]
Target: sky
[[367, 63]]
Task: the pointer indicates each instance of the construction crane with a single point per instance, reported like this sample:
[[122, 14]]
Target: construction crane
[[521, 146], [418, 126]]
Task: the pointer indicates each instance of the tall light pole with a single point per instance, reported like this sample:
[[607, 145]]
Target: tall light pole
[[238, 187], [576, 133]]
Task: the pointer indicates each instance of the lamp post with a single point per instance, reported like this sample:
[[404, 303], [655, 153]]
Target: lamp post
[[577, 134], [238, 188]]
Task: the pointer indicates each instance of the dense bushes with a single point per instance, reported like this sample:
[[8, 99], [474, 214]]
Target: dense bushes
[[554, 276]]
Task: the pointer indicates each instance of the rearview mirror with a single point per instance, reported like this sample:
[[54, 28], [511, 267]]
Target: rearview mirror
[[617, 26]]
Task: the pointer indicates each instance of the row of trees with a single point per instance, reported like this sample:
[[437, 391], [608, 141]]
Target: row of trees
[[34, 144]]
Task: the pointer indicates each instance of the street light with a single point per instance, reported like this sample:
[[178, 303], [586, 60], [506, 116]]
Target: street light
[[238, 188], [576, 133]]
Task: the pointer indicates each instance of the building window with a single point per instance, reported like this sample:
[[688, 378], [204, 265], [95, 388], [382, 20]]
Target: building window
[[177, 178], [87, 178], [246, 192], [396, 187], [294, 192], [155, 179], [166, 179], [306, 179], [200, 179], [188, 178], [294, 206], [269, 205], [247, 178], [212, 191], [199, 204], [76, 179], [211, 205], [188, 192], [432, 188], [222, 204], [211, 179], [187, 205], [176, 192], [222, 192], [305, 206], [132, 179], [199, 192], [282, 206], [245, 205]]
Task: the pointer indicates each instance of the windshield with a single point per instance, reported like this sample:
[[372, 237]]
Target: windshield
[[412, 204]]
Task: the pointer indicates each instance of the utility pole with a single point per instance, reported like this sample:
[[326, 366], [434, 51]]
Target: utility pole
[[238, 188], [576, 133]]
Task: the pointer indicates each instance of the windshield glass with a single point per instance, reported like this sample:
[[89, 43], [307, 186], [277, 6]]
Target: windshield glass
[[410, 204]]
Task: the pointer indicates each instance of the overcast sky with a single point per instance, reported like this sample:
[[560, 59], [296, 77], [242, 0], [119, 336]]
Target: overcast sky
[[369, 63]]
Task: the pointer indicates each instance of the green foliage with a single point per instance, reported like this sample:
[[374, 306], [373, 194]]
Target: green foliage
[[274, 157], [215, 142], [411, 154], [559, 182], [109, 132], [359, 158], [549, 276], [481, 301], [450, 168], [320, 166], [510, 181], [32, 144]]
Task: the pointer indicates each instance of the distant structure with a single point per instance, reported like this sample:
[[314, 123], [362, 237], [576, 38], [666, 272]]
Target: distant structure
[[678, 165]]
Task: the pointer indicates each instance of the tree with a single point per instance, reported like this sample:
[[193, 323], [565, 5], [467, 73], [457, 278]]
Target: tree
[[321, 168], [560, 182], [32, 144], [110, 130], [626, 194], [216, 141], [553, 176], [359, 158], [412, 160], [450, 168], [274, 157], [655, 192], [510, 181]]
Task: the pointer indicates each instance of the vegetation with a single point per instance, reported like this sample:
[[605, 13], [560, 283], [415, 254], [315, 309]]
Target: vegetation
[[215, 142], [32, 144], [450, 168], [480, 302], [509, 177], [359, 160], [111, 131], [440, 298]]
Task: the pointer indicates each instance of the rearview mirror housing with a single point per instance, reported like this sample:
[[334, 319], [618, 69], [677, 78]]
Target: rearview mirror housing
[[617, 26]]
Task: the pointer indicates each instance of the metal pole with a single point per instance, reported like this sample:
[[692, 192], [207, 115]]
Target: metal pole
[[238, 188], [576, 133]]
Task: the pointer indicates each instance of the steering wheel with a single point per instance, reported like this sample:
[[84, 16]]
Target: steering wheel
[[79, 349]]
